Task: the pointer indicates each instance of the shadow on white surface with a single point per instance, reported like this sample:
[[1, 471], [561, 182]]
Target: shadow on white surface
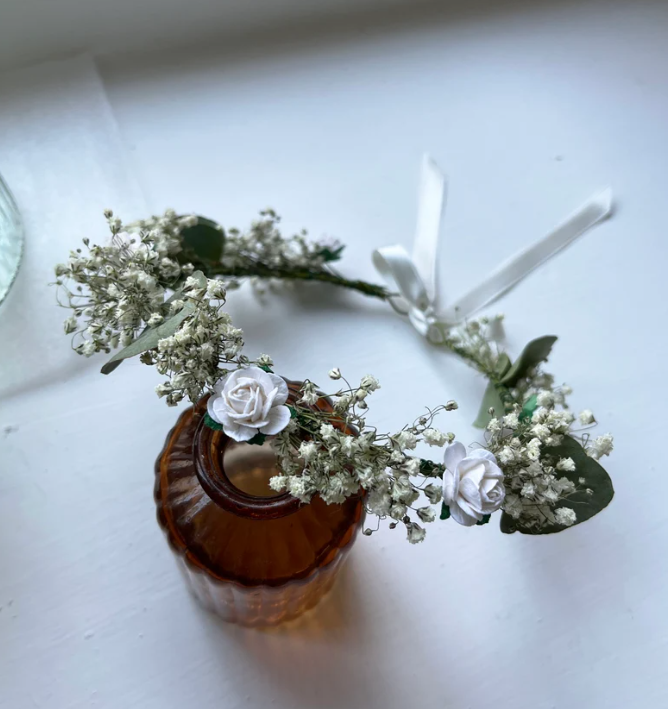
[[311, 656]]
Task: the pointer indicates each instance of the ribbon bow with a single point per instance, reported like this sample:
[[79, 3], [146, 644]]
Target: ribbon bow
[[415, 278]]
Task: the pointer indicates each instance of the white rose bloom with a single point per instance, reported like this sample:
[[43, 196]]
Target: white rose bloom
[[248, 401], [472, 484]]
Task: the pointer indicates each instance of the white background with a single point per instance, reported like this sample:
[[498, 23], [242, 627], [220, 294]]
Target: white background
[[529, 110]]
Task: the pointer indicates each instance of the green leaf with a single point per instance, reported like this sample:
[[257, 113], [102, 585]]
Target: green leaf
[[154, 334], [584, 505], [257, 440], [206, 240], [502, 364], [445, 511], [266, 368], [430, 469], [208, 421], [491, 399], [530, 405], [534, 353], [149, 339], [303, 419], [485, 519], [332, 254]]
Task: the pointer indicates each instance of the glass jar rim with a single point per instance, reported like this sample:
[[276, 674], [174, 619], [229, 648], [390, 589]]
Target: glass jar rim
[[208, 451]]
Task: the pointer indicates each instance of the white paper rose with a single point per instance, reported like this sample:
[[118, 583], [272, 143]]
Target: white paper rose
[[472, 484], [250, 401]]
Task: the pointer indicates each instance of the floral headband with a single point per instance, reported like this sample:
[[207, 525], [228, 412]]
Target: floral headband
[[158, 291]]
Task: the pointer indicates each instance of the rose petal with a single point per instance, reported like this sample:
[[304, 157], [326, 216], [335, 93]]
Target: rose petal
[[277, 420], [461, 517], [482, 453], [469, 493], [258, 375], [219, 412], [255, 403], [454, 453], [487, 485], [239, 433], [231, 380], [473, 469], [217, 408], [450, 485], [210, 409], [492, 503], [282, 389], [269, 402]]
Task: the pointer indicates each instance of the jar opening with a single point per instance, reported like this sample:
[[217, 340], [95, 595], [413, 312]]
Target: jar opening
[[249, 468], [226, 478]]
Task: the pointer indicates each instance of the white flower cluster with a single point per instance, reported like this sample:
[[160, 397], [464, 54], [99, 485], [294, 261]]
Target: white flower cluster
[[341, 454], [192, 355], [264, 247], [522, 441], [475, 341], [122, 288], [118, 287]]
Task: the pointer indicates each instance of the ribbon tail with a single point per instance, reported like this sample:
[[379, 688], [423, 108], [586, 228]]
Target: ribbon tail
[[431, 202], [414, 278], [506, 276]]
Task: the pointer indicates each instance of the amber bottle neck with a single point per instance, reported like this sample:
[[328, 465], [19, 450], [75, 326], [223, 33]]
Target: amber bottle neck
[[209, 453], [209, 449]]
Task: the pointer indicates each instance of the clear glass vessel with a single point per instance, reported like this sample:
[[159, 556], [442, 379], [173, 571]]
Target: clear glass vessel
[[11, 239], [249, 554]]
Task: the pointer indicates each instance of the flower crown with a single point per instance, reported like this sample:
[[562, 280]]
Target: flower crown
[[158, 291]]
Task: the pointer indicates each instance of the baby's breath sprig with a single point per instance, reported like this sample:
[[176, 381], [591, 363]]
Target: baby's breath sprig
[[338, 453]]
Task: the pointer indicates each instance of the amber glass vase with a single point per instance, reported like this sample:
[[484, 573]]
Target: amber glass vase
[[249, 554]]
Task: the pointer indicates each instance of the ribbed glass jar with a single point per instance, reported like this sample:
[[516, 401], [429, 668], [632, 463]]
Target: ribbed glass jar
[[11, 239], [250, 555]]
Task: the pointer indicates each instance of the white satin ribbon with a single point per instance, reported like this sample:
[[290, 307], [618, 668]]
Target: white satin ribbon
[[415, 278]]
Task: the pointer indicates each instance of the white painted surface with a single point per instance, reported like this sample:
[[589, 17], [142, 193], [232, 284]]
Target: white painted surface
[[529, 112], [54, 114]]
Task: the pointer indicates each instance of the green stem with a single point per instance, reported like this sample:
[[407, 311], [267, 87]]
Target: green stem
[[261, 271], [504, 394]]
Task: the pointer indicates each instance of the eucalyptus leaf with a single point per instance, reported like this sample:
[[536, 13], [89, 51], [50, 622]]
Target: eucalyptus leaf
[[583, 504], [149, 339], [206, 240], [534, 353], [502, 364], [117, 360], [490, 399]]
